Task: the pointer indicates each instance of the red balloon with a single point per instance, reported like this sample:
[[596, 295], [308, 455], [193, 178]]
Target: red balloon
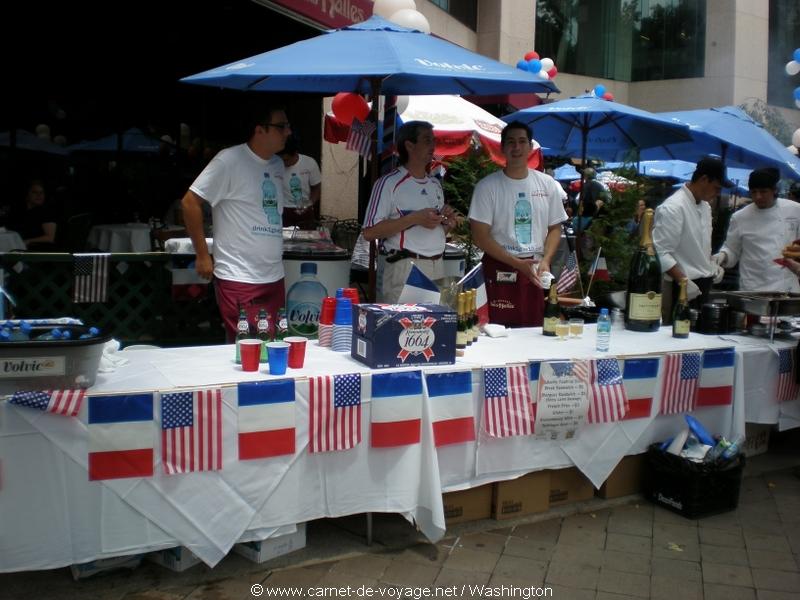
[[348, 106], [531, 55], [608, 96], [552, 72]]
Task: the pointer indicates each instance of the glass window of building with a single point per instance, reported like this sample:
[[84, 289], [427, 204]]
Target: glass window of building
[[784, 34], [624, 40], [465, 11]]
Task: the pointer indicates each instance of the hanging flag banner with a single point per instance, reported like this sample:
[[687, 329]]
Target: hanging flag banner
[[563, 400]]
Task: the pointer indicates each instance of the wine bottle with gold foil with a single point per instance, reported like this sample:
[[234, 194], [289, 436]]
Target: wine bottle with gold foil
[[643, 299], [476, 331], [552, 312], [461, 331], [681, 319]]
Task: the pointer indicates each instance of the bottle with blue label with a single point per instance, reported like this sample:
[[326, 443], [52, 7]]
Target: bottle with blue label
[[603, 331], [304, 301], [269, 200], [296, 190], [522, 219]]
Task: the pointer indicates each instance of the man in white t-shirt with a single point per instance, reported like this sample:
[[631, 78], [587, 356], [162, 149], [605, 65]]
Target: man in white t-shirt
[[407, 213], [301, 186], [244, 186], [516, 217], [757, 235]]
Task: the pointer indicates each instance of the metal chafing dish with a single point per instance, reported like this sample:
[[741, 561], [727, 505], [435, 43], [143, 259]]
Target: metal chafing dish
[[767, 304]]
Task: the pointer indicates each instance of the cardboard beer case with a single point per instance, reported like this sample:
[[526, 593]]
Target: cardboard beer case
[[401, 335]]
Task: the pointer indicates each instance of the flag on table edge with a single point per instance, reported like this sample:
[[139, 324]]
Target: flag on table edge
[[191, 431], [396, 409], [121, 436], [787, 383], [90, 277], [607, 400], [680, 379], [61, 402], [640, 376], [599, 270], [507, 407], [450, 401], [334, 412], [474, 280], [266, 418], [569, 275], [419, 289], [716, 378]]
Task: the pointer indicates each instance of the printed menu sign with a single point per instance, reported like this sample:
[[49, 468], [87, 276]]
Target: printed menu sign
[[562, 399]]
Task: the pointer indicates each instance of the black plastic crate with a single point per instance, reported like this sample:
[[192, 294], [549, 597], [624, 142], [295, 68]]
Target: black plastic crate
[[692, 489]]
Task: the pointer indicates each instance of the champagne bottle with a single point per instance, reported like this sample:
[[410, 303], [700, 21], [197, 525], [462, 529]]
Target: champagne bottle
[[680, 315], [552, 312], [468, 317], [643, 300], [461, 331], [476, 331]]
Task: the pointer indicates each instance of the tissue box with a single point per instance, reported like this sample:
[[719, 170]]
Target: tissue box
[[400, 335], [263, 550]]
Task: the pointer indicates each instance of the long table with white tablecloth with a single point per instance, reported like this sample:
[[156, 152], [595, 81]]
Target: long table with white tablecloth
[[59, 517]]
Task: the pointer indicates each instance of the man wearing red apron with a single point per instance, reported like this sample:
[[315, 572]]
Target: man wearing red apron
[[516, 217]]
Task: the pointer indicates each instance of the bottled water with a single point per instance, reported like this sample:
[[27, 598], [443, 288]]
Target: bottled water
[[269, 200], [603, 331], [296, 190], [522, 219], [21, 333], [303, 302], [732, 450], [93, 332], [53, 334]]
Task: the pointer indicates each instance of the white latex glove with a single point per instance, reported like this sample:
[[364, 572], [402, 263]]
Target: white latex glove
[[692, 291], [719, 258], [719, 273]]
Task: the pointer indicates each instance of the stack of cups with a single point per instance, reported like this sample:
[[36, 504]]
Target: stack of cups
[[343, 326], [326, 315], [352, 293]]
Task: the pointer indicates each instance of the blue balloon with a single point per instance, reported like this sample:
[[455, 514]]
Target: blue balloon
[[534, 65], [797, 93], [796, 55], [522, 64], [599, 90]]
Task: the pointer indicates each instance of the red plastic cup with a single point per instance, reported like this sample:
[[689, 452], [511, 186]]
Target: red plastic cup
[[297, 351], [250, 351], [352, 293], [327, 311]]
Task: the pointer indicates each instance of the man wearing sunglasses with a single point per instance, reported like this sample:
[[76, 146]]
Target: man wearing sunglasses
[[244, 186]]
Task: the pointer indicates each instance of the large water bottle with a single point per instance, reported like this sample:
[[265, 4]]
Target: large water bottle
[[304, 301], [296, 190], [269, 200], [522, 219], [603, 331]]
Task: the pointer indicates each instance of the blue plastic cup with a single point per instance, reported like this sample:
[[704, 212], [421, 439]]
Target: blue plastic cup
[[339, 293], [344, 312], [278, 354]]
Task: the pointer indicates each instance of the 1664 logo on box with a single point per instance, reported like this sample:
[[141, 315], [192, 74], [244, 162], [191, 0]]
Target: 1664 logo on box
[[396, 335]]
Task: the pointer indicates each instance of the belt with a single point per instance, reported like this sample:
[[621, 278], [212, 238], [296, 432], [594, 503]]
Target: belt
[[394, 256]]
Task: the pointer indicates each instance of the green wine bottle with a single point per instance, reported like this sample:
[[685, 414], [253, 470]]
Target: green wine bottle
[[552, 312], [680, 315], [643, 300]]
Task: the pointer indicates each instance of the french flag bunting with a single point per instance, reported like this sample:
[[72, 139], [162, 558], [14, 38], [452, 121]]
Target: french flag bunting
[[787, 383], [640, 376], [508, 406], [121, 436], [266, 419], [61, 402], [450, 401], [396, 411], [191, 431], [679, 388], [607, 400], [334, 412], [418, 289], [474, 280], [716, 378]]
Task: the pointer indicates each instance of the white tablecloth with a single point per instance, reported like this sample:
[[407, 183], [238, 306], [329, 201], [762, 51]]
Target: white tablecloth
[[10, 240], [60, 518], [126, 237]]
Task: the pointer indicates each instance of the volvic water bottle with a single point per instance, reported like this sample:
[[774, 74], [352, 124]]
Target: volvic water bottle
[[303, 302], [296, 190], [522, 219], [269, 200], [603, 331]]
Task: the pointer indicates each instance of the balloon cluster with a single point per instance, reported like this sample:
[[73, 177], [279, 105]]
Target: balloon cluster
[[793, 68], [403, 13], [543, 67], [600, 91], [348, 106]]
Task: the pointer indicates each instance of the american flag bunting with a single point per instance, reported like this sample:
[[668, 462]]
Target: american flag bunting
[[787, 384], [679, 389], [508, 407], [191, 431], [334, 412], [607, 401], [90, 281], [61, 402]]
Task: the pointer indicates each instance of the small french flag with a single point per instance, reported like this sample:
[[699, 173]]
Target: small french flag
[[419, 289], [640, 377], [121, 436], [452, 412], [716, 378], [266, 419], [396, 409]]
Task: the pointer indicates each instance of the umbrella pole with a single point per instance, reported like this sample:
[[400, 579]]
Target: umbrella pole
[[579, 229], [374, 166]]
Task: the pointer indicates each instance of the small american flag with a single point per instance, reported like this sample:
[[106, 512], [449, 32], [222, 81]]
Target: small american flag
[[61, 402], [787, 384], [334, 412], [191, 431], [606, 393], [679, 391], [569, 275], [360, 136], [508, 408], [90, 277]]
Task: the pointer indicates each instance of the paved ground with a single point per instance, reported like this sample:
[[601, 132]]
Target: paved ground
[[605, 550]]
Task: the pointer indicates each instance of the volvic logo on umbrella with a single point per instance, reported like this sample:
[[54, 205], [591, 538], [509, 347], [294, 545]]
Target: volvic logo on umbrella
[[449, 66]]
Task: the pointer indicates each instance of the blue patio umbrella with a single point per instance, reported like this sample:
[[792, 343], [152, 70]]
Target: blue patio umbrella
[[682, 170], [25, 140], [373, 57], [731, 134], [133, 140], [590, 126]]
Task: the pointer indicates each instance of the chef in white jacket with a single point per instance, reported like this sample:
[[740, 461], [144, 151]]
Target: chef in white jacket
[[758, 233]]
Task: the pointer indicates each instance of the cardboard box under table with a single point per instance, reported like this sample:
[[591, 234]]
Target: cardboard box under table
[[472, 504], [521, 496], [626, 478], [569, 485]]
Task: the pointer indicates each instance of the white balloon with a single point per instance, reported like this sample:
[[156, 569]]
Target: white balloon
[[386, 8], [413, 19], [543, 74], [401, 104], [796, 138], [547, 64], [792, 67]]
